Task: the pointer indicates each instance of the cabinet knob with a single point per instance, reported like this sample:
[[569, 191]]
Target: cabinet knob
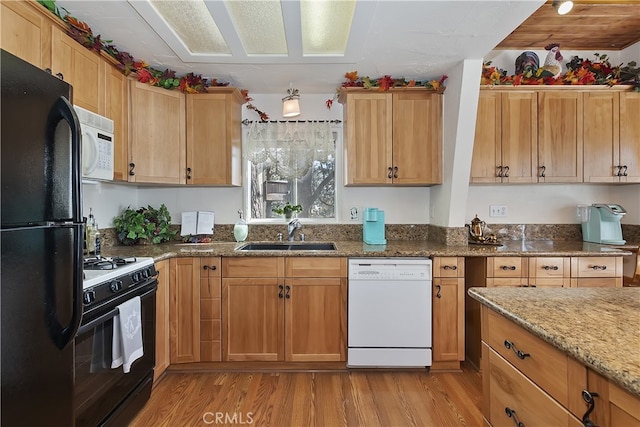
[[508, 267], [511, 413], [395, 171], [618, 170], [588, 397], [188, 173], [506, 171], [624, 170], [390, 174], [132, 166], [599, 267], [450, 267], [210, 267], [280, 291], [499, 173], [287, 293], [550, 267], [543, 169], [438, 289]]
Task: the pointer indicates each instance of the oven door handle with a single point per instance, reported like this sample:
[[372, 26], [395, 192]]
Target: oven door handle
[[98, 320]]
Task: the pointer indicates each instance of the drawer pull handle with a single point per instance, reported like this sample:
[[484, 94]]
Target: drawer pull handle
[[499, 171], [512, 414], [599, 267], [287, 294], [508, 267], [209, 267], [624, 170], [588, 397], [511, 346], [390, 174], [281, 291], [439, 288], [543, 170], [550, 267], [395, 171], [450, 267]]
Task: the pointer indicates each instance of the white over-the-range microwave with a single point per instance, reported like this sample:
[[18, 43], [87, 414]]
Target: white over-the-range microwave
[[97, 145]]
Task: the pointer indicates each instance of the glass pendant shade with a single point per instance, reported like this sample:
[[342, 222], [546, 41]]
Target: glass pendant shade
[[290, 108]]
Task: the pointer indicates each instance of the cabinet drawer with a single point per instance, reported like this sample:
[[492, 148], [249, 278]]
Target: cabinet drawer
[[542, 363], [448, 267], [210, 288], [596, 267], [209, 266], [315, 267], [510, 390], [210, 308], [551, 267], [506, 267], [253, 267]]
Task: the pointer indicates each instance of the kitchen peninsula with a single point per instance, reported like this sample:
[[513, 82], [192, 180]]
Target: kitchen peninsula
[[548, 352]]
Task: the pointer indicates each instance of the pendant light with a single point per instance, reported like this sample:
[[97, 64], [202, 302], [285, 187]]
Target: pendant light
[[290, 103]]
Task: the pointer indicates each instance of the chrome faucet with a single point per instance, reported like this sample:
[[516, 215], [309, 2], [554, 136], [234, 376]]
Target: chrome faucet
[[294, 225]]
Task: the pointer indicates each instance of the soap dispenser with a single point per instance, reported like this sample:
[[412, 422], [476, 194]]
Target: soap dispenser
[[241, 229]]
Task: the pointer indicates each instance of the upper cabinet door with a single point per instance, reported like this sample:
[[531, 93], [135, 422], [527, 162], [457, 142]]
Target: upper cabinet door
[[214, 138], [560, 126], [417, 138], [156, 135], [601, 137], [487, 145], [630, 136], [369, 138], [81, 68], [117, 109], [26, 32], [519, 137]]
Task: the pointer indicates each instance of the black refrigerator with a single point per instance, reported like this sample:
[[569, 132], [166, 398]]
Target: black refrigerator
[[41, 244]]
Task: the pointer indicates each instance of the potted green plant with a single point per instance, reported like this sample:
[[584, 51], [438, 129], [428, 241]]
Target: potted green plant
[[287, 210], [144, 226]]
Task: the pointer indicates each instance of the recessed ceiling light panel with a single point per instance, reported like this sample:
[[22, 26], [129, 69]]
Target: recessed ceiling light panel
[[194, 25], [260, 26], [326, 26]]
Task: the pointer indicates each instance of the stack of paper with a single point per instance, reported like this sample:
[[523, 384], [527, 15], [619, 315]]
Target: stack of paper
[[194, 223]]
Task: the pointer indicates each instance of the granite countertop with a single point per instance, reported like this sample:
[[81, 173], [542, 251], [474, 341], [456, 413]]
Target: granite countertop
[[391, 249], [600, 327]]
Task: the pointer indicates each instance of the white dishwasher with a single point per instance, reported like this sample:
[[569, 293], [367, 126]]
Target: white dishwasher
[[390, 312]]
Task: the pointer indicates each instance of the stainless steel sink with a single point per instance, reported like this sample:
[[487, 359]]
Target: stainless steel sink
[[288, 246]]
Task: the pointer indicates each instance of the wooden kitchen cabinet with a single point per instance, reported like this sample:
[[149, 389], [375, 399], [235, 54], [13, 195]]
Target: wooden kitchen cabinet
[[549, 272], [393, 137], [82, 68], [611, 136], [506, 143], [270, 317], [163, 347], [448, 312], [156, 135], [117, 109], [210, 309], [560, 136], [614, 406], [26, 32], [596, 272], [184, 292], [214, 137]]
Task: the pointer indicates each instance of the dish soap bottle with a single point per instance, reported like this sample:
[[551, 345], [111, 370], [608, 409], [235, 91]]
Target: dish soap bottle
[[241, 229]]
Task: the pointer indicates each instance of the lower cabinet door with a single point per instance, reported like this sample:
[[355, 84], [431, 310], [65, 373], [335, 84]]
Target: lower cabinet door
[[513, 398], [252, 319]]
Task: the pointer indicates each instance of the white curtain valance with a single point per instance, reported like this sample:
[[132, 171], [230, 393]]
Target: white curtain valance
[[290, 147]]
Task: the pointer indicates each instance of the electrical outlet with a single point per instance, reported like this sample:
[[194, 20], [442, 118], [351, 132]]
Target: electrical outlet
[[354, 215], [497, 211]]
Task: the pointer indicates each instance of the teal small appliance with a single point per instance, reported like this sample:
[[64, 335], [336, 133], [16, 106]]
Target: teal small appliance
[[373, 227], [602, 224]]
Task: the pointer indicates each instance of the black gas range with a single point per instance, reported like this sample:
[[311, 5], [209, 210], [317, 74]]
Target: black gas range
[[104, 395]]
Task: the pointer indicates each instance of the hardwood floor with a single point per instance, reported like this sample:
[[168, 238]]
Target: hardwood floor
[[332, 399]]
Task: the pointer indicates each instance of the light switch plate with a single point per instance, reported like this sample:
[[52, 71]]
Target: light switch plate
[[497, 211]]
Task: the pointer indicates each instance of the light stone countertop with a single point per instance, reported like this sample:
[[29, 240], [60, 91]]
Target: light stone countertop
[[413, 248], [600, 327]]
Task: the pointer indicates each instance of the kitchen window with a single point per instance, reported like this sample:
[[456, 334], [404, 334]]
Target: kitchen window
[[291, 162]]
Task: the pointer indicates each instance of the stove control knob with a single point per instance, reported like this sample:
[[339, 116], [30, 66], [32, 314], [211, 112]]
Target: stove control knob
[[115, 285], [88, 297], [145, 273], [136, 276]]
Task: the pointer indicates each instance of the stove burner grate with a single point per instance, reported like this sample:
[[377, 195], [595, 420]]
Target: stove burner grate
[[102, 263]]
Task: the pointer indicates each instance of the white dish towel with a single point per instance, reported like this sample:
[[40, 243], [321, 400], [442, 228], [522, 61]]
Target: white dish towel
[[127, 335]]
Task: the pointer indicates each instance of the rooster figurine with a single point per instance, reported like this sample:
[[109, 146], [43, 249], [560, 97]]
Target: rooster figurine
[[552, 62]]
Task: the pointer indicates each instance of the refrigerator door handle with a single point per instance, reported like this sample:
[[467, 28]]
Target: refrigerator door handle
[[63, 110], [64, 335]]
